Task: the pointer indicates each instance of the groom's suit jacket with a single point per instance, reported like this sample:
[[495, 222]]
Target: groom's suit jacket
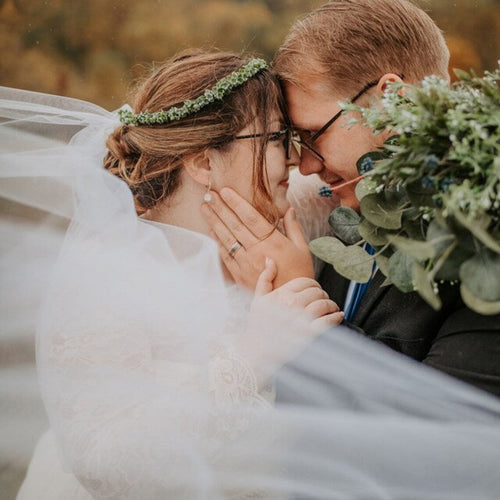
[[454, 339]]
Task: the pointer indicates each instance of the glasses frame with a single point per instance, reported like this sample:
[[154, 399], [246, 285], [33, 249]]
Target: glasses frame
[[287, 140], [308, 144]]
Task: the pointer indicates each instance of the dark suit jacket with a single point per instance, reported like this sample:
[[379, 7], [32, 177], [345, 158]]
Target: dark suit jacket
[[454, 339]]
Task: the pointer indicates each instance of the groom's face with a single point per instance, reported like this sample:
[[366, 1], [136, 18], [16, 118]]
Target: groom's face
[[340, 145]]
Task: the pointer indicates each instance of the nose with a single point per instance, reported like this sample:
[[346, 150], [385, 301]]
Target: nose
[[309, 164]]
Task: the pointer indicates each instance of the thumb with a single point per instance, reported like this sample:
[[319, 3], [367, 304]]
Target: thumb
[[265, 282], [293, 229]]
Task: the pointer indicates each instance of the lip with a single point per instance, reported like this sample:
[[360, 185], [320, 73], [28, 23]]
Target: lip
[[284, 183]]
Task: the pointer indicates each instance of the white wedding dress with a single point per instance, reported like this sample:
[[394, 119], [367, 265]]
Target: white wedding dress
[[159, 383]]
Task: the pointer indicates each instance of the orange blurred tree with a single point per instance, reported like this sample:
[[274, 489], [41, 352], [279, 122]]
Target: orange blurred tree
[[94, 49]]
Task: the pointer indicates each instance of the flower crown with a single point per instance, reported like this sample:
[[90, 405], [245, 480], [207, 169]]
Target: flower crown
[[221, 89]]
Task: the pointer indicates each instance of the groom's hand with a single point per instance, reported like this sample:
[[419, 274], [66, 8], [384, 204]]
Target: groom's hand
[[232, 219]]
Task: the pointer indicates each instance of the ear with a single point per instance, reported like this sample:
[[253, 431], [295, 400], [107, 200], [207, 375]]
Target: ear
[[385, 79], [198, 167]]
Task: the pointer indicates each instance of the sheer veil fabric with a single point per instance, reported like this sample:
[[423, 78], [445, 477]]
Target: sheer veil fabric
[[159, 380]]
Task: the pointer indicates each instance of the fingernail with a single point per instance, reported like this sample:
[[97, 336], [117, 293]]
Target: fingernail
[[268, 261]]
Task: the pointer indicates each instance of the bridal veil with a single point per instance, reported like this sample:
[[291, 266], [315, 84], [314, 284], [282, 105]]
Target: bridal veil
[[140, 365]]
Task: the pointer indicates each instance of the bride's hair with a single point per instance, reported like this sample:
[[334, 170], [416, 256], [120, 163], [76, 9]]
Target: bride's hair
[[149, 158]]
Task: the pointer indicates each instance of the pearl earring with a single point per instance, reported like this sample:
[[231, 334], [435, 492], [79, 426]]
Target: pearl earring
[[207, 197]]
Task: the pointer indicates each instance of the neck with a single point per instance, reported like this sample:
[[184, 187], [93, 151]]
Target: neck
[[182, 209]]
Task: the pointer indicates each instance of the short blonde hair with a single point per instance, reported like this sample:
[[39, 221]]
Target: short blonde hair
[[348, 43]]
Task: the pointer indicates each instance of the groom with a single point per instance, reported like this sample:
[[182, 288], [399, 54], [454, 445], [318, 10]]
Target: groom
[[351, 49]]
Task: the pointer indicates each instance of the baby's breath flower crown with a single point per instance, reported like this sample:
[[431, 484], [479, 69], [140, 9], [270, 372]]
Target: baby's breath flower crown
[[221, 89], [430, 199]]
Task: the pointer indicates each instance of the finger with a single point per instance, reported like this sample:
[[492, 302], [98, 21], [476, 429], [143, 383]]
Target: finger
[[266, 278], [321, 325], [293, 229], [322, 307], [299, 284], [250, 220], [231, 221], [308, 296], [222, 234]]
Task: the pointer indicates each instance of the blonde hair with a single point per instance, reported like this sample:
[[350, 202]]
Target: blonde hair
[[149, 158], [348, 43]]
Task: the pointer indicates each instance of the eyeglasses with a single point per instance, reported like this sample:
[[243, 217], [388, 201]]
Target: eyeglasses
[[284, 135], [306, 138]]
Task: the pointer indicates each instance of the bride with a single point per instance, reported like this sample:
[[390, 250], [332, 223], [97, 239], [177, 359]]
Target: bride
[[157, 373]]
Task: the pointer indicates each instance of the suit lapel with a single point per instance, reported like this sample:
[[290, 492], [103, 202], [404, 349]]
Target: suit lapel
[[372, 294], [334, 284]]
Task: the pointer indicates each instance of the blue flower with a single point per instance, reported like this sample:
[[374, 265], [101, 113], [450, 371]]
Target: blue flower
[[431, 161], [446, 183], [366, 165], [428, 182]]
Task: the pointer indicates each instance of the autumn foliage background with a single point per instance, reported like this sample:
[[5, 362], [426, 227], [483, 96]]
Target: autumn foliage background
[[95, 49]]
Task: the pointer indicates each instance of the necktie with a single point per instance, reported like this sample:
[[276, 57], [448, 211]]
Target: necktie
[[358, 292]]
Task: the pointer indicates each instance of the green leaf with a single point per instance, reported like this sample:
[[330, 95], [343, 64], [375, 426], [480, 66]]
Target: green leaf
[[425, 287], [380, 212], [364, 187], [420, 196], [449, 271], [419, 250], [383, 264], [440, 236], [476, 304], [400, 267], [354, 263], [344, 221], [326, 247], [481, 275], [478, 229], [374, 235]]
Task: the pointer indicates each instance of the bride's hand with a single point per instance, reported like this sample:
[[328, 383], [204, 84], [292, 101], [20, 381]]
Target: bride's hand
[[234, 221], [300, 293]]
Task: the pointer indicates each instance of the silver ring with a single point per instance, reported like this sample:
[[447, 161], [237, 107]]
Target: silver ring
[[236, 246]]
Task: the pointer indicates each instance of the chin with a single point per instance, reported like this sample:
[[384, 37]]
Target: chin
[[350, 203]]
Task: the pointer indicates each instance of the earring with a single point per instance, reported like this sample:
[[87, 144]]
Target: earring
[[207, 197]]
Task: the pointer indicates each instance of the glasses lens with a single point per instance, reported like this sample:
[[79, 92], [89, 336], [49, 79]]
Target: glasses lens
[[300, 138]]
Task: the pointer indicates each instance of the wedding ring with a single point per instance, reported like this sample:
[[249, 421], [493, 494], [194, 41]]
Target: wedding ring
[[234, 248]]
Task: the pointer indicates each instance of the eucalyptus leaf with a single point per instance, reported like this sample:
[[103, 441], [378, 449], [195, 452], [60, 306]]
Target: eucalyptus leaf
[[363, 187], [420, 196], [419, 250], [400, 267], [374, 235], [425, 287], [326, 248], [440, 236], [481, 275], [344, 222], [476, 304], [354, 263], [383, 264], [476, 227], [450, 269], [377, 210]]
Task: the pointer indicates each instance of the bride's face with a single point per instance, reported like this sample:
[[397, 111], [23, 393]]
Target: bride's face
[[237, 165]]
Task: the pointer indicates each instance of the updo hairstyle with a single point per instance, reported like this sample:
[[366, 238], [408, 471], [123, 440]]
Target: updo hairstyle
[[149, 158]]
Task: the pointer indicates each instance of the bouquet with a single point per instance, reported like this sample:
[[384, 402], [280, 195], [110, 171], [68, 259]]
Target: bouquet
[[430, 197]]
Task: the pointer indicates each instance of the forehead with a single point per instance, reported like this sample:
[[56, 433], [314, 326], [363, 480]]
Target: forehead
[[310, 106]]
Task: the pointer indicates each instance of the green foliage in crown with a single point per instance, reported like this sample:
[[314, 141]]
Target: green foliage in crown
[[220, 90], [430, 199]]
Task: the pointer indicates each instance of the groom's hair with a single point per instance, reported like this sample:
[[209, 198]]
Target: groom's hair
[[347, 43]]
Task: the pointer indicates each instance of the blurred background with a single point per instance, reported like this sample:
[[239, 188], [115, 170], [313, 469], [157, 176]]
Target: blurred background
[[95, 49]]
